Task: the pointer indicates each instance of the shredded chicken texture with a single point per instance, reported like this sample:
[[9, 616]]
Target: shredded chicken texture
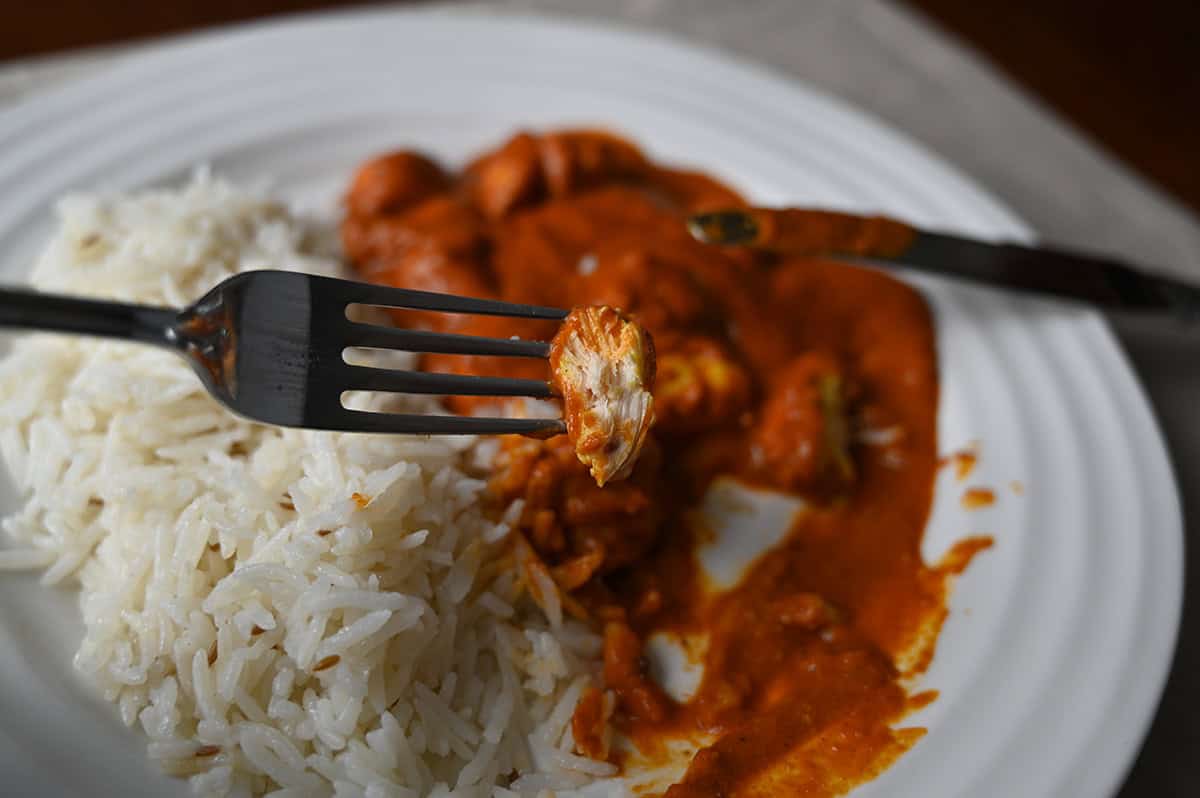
[[602, 366]]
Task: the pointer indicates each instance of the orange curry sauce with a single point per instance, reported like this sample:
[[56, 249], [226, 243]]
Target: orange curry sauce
[[769, 370]]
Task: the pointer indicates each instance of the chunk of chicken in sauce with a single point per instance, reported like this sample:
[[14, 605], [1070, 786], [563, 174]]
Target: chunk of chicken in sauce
[[579, 528], [803, 442], [602, 366]]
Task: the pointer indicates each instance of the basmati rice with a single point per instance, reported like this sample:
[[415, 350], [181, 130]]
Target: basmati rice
[[278, 610]]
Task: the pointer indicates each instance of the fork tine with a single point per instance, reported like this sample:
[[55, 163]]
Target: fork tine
[[361, 421], [362, 378], [407, 340], [387, 296]]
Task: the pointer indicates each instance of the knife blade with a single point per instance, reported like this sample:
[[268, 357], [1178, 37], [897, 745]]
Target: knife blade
[[1098, 280]]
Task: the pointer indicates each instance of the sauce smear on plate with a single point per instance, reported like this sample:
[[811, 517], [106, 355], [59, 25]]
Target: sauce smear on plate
[[771, 370]]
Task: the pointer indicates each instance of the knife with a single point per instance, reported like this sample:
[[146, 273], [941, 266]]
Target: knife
[[1071, 275]]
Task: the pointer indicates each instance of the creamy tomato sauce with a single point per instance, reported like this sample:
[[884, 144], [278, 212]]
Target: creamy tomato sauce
[[773, 370]]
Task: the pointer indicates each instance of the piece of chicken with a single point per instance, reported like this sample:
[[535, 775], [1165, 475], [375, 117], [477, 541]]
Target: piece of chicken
[[803, 440], [701, 384], [602, 365]]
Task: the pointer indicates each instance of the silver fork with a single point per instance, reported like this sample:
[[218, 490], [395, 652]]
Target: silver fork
[[269, 346]]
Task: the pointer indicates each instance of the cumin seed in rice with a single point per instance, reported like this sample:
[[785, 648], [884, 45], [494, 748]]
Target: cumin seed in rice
[[327, 662]]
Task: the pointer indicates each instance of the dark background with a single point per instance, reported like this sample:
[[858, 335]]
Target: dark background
[[1124, 73], [1127, 73]]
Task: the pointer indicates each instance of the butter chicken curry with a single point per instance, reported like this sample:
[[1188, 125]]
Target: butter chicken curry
[[793, 374]]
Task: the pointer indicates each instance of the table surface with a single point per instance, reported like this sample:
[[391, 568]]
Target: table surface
[[891, 63]]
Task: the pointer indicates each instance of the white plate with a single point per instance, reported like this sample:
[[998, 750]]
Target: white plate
[[1058, 643]]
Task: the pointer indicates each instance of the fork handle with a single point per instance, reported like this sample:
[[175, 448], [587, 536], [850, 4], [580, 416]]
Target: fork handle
[[33, 310]]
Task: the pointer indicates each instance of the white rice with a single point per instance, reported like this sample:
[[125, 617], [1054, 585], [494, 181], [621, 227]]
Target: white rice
[[264, 631]]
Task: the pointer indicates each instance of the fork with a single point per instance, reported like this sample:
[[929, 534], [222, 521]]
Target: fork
[[269, 345]]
